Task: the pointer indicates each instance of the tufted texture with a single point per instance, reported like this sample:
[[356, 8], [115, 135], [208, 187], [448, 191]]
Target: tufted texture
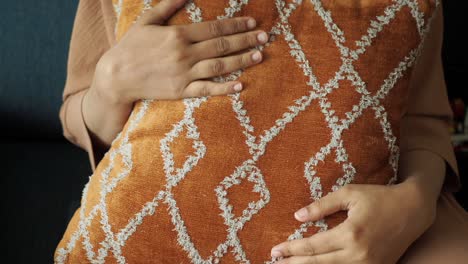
[[217, 179]]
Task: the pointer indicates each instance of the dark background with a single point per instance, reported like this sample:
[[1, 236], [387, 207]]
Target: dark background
[[45, 173]]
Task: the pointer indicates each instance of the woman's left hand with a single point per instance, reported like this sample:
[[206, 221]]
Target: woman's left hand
[[382, 222]]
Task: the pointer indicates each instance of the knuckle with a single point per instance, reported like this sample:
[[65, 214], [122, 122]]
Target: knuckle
[[218, 67], [177, 91], [178, 85], [195, 72], [355, 233], [309, 248], [318, 204], [179, 54], [316, 209], [251, 39], [363, 253], [177, 33], [238, 25], [229, 89], [204, 91], [222, 45], [215, 28], [245, 60], [288, 248]]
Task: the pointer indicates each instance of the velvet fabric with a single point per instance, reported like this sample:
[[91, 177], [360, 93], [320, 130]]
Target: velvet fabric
[[218, 179]]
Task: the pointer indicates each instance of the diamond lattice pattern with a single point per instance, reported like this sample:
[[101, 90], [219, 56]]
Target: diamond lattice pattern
[[195, 186]]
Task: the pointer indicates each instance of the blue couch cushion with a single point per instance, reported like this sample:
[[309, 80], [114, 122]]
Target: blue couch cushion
[[35, 37]]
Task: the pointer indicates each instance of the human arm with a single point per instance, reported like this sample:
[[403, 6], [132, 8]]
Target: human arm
[[149, 62], [396, 215], [92, 36], [424, 127]]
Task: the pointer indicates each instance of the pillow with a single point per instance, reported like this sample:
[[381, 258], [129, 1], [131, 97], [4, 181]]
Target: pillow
[[218, 179]]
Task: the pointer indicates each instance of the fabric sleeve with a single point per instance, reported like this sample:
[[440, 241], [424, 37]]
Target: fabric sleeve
[[425, 125], [92, 35]]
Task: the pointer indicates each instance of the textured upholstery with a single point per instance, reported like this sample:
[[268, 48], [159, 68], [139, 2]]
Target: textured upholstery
[[208, 178]]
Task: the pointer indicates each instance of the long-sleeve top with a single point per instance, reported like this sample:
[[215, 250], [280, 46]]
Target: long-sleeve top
[[424, 125]]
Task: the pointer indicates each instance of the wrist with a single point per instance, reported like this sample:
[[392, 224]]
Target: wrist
[[416, 197], [106, 88], [423, 172], [415, 212], [104, 119], [108, 97]]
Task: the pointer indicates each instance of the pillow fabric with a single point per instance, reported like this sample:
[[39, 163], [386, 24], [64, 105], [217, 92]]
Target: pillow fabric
[[218, 179]]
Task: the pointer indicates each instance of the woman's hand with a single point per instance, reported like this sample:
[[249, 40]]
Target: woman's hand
[[153, 61], [382, 223]]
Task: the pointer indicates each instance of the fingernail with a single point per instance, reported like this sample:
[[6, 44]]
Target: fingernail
[[251, 23], [238, 87], [301, 213], [276, 253], [256, 56], [262, 37]]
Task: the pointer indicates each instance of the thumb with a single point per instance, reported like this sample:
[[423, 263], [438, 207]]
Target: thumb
[[329, 204], [161, 12]]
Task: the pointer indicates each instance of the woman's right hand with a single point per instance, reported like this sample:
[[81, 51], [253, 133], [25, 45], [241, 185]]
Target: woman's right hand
[[154, 61]]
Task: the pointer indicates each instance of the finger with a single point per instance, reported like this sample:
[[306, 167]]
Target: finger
[[216, 28], [218, 66], [335, 257], [161, 12], [202, 88], [320, 243], [225, 45], [329, 204]]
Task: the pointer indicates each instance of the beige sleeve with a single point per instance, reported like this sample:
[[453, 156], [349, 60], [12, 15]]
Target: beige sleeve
[[92, 35], [425, 125]]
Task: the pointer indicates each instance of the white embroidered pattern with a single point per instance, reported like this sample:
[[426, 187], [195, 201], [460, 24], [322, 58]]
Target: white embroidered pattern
[[118, 12], [256, 145]]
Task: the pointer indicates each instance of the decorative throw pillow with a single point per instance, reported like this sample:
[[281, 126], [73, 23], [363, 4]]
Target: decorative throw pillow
[[218, 179]]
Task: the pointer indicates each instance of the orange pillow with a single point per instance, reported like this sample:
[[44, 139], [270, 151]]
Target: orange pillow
[[218, 179]]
